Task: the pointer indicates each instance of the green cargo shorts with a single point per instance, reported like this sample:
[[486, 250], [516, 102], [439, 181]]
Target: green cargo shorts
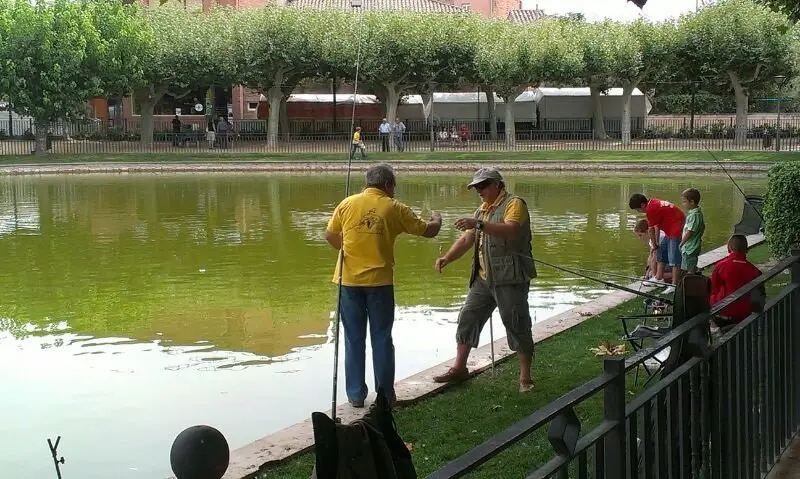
[[689, 262], [511, 300]]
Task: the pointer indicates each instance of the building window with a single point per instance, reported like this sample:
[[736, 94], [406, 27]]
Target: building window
[[252, 106], [466, 6]]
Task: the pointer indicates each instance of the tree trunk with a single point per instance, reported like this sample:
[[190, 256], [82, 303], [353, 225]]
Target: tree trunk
[[147, 98], [42, 132], [284, 128], [146, 122], [274, 97], [427, 110], [627, 92], [490, 105], [599, 129], [742, 98], [392, 100], [509, 98]]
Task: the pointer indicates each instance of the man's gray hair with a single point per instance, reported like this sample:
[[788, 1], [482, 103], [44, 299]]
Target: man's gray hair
[[380, 176]]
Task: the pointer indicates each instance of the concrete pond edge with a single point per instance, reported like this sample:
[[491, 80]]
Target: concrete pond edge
[[121, 168], [299, 438]]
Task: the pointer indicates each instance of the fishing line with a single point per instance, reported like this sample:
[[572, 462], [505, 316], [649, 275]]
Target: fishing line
[[735, 184], [340, 260], [606, 283], [617, 275]]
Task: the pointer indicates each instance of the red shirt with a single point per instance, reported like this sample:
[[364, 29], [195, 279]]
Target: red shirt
[[730, 274], [666, 216]]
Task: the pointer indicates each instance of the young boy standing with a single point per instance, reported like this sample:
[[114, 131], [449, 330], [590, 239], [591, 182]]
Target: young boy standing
[[668, 218], [693, 230]]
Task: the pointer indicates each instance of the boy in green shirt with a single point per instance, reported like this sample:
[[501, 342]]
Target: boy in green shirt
[[693, 230]]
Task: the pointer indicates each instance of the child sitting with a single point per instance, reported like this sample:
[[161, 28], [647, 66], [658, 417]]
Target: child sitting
[[693, 230], [655, 257], [730, 274]]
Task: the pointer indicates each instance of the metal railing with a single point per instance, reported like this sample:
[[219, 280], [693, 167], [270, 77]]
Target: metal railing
[[728, 414], [17, 137]]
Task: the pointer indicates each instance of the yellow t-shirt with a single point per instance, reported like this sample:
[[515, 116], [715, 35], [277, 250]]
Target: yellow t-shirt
[[516, 211], [370, 222], [357, 137]]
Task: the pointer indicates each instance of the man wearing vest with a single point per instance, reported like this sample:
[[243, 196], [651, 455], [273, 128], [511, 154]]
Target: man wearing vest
[[502, 269]]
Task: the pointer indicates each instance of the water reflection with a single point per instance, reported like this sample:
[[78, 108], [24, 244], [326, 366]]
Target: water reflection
[[147, 303]]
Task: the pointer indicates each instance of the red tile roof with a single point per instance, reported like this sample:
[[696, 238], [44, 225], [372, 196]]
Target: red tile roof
[[525, 16]]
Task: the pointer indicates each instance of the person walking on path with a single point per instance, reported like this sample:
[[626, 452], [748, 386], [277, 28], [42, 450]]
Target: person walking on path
[[502, 268], [365, 226]]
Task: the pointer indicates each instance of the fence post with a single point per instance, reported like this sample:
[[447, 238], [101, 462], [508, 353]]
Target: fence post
[[614, 411], [794, 308]]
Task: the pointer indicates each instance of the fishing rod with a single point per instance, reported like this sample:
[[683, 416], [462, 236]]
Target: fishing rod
[[735, 183], [340, 260], [632, 278], [606, 283], [54, 453]]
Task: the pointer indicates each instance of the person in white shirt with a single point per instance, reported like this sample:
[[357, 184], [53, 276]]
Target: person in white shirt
[[384, 130]]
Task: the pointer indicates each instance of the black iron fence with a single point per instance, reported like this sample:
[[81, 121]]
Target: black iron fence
[[729, 413], [17, 136]]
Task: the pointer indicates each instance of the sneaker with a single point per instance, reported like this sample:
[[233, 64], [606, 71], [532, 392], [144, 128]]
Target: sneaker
[[452, 376], [358, 404]]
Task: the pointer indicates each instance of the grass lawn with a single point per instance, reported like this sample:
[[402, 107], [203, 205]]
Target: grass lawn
[[445, 426], [444, 157]]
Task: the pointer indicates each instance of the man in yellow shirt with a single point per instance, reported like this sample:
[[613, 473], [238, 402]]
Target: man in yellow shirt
[[365, 226], [502, 269], [358, 145]]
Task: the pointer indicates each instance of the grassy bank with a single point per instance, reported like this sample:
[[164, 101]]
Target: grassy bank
[[433, 157], [448, 425]]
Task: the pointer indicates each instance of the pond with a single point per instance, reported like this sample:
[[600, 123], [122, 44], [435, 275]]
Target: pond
[[132, 307]]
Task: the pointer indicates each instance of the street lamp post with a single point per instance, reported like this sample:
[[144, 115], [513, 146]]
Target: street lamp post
[[780, 80]]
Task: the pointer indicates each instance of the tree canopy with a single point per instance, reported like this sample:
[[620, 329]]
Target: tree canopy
[[54, 56]]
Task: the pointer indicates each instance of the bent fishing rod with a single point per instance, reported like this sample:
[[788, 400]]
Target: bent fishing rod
[[735, 183], [605, 283], [340, 260]]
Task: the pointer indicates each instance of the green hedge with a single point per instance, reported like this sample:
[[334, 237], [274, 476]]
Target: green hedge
[[782, 208]]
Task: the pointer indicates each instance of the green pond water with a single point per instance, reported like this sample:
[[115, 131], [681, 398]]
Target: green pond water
[[132, 307]]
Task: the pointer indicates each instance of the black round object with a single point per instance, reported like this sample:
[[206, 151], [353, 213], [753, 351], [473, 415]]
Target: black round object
[[199, 452]]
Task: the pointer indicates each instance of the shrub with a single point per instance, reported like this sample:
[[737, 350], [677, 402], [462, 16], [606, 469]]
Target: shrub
[[782, 208]]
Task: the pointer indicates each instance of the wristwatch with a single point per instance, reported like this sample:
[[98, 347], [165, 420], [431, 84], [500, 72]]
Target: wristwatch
[[479, 225]]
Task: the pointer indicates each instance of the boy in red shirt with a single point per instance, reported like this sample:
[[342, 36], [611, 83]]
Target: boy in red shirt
[[668, 218], [730, 274]]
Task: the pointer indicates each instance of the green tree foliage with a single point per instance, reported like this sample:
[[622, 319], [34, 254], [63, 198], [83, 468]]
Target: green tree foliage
[[651, 50], [186, 49], [610, 52], [513, 58], [279, 47], [58, 55], [790, 8], [782, 208], [740, 42]]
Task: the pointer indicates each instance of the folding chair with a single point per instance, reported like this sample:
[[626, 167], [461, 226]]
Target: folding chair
[[691, 298]]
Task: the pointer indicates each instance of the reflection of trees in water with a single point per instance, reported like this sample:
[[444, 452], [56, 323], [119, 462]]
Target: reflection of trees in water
[[123, 256]]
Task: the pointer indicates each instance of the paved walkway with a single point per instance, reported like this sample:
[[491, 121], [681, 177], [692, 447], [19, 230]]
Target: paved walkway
[[788, 466]]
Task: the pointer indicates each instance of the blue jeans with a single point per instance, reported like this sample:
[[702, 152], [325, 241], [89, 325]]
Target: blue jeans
[[359, 306], [673, 251]]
